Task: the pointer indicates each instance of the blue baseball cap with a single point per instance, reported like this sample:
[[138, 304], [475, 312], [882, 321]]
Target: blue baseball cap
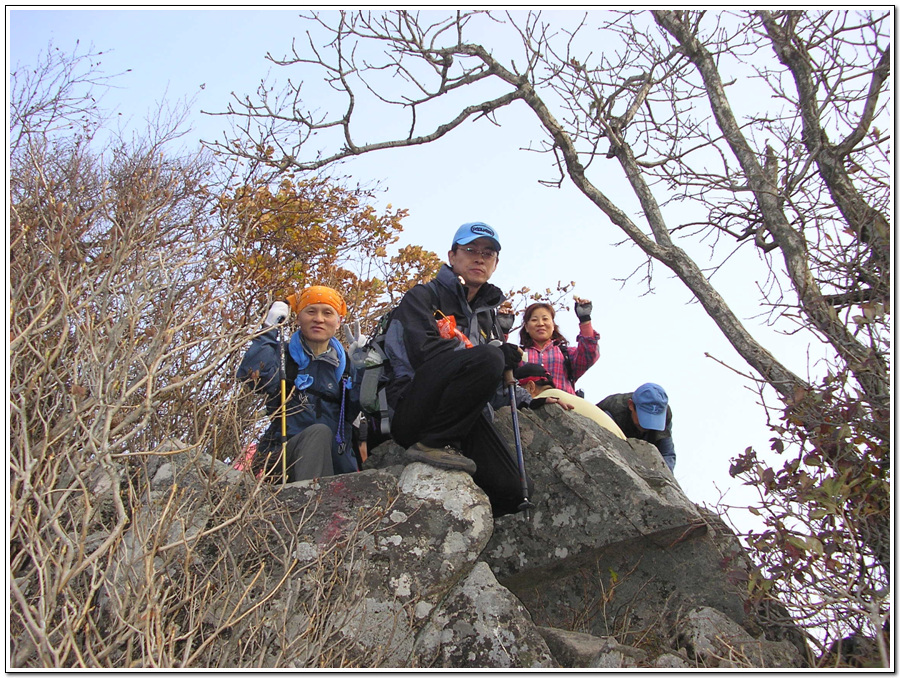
[[474, 230], [650, 403]]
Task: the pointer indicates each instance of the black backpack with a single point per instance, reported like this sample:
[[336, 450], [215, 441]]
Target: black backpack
[[372, 394]]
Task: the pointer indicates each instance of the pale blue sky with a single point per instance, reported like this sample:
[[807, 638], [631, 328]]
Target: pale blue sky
[[477, 174]]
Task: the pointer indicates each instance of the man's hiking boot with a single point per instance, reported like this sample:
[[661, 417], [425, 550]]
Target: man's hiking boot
[[442, 457]]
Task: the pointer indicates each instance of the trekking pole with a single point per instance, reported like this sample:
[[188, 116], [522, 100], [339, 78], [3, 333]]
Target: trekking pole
[[282, 373], [511, 384]]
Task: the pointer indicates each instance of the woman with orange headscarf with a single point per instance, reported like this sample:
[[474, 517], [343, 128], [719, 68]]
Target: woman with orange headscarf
[[322, 398]]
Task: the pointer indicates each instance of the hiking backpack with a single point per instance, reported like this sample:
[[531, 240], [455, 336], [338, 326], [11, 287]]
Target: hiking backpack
[[372, 394], [374, 380]]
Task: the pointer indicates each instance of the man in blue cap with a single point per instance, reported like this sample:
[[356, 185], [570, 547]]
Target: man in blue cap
[[644, 414], [443, 371]]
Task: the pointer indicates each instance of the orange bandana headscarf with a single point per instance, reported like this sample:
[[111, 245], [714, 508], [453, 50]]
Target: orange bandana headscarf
[[317, 294]]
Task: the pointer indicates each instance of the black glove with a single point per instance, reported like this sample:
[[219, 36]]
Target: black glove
[[583, 310], [506, 321], [512, 356]]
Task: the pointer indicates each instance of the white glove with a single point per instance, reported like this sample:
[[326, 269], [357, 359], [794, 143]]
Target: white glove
[[356, 351], [278, 313]]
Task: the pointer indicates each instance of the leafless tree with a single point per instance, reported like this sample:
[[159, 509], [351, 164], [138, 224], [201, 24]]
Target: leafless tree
[[121, 344], [762, 129]]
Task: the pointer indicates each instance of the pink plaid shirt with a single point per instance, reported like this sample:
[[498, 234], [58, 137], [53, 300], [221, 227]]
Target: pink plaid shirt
[[582, 357]]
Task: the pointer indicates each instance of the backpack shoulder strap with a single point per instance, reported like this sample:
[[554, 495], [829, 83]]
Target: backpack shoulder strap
[[435, 297], [291, 369], [495, 325], [567, 361]]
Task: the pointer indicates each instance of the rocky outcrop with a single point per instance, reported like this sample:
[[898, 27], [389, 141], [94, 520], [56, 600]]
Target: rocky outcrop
[[713, 639], [612, 528], [405, 566], [481, 624]]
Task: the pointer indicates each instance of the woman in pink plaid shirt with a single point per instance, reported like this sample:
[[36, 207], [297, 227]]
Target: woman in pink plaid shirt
[[545, 345]]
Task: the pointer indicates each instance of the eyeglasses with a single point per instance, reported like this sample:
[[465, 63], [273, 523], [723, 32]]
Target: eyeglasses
[[476, 252]]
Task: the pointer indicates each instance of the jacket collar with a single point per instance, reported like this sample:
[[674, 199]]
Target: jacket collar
[[488, 296], [335, 355]]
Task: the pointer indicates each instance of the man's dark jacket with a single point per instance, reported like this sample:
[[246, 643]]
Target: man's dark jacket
[[616, 406], [413, 337]]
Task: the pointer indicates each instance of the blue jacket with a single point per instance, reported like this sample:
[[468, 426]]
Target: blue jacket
[[323, 390]]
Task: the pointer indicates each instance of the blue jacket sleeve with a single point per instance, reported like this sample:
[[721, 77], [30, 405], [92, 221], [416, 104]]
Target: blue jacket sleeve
[[666, 448], [259, 366], [501, 397]]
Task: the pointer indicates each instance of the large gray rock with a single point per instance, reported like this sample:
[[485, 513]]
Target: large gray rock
[[403, 566], [714, 640], [592, 490], [174, 511], [481, 624], [370, 569], [613, 547], [612, 536], [412, 539]]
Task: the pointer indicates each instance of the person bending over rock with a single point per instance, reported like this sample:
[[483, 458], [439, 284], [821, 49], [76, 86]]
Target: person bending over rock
[[644, 414]]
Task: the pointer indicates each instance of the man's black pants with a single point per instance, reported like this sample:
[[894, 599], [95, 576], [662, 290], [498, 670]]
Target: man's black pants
[[444, 405]]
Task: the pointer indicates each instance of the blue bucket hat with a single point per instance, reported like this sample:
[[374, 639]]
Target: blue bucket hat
[[650, 403], [474, 230]]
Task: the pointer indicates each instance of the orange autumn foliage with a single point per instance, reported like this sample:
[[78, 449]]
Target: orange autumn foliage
[[316, 232]]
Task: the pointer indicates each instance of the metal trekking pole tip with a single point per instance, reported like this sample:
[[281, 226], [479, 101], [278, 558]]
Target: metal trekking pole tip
[[526, 505]]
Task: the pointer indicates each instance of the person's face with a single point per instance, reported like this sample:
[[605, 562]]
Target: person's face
[[634, 415], [540, 325], [319, 323], [470, 263]]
